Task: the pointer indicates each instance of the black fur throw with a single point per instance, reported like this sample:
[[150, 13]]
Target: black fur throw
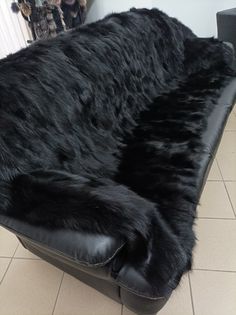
[[101, 132]]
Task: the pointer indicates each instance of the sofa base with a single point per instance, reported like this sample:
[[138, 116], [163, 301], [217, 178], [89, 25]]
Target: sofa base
[[138, 304]]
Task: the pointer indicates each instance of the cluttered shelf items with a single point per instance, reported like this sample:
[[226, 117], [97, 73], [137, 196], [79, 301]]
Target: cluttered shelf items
[[47, 18]]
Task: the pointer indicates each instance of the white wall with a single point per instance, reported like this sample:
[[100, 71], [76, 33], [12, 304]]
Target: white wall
[[99, 8], [13, 31], [199, 15]]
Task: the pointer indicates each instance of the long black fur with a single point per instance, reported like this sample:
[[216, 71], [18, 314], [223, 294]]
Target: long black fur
[[100, 132]]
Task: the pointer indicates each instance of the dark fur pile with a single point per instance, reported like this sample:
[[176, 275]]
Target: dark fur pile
[[100, 132]]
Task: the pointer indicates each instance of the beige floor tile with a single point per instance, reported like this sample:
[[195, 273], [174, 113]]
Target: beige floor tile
[[22, 252], [214, 202], [214, 173], [231, 123], [30, 287], [227, 164], [228, 143], [214, 293], [178, 304], [4, 262], [78, 298], [215, 248], [8, 243], [231, 187]]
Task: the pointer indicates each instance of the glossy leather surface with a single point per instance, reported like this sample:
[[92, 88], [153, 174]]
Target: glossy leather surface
[[85, 249], [226, 24], [218, 117]]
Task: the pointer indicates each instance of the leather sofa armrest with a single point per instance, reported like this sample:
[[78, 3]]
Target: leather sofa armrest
[[86, 249]]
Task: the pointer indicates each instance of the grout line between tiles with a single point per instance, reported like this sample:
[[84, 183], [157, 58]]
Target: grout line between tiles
[[191, 293], [213, 270], [27, 258], [229, 181], [122, 306], [234, 210], [9, 257], [24, 258], [9, 264], [54, 307], [215, 180], [5, 271], [218, 166], [211, 218]]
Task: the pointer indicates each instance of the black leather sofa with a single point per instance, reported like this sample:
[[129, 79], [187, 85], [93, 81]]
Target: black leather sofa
[[92, 258], [226, 23], [100, 260]]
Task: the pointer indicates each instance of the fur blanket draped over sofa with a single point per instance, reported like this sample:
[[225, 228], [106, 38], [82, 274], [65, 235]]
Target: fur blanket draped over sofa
[[101, 132]]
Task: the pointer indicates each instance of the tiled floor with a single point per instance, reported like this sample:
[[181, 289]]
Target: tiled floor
[[30, 286]]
